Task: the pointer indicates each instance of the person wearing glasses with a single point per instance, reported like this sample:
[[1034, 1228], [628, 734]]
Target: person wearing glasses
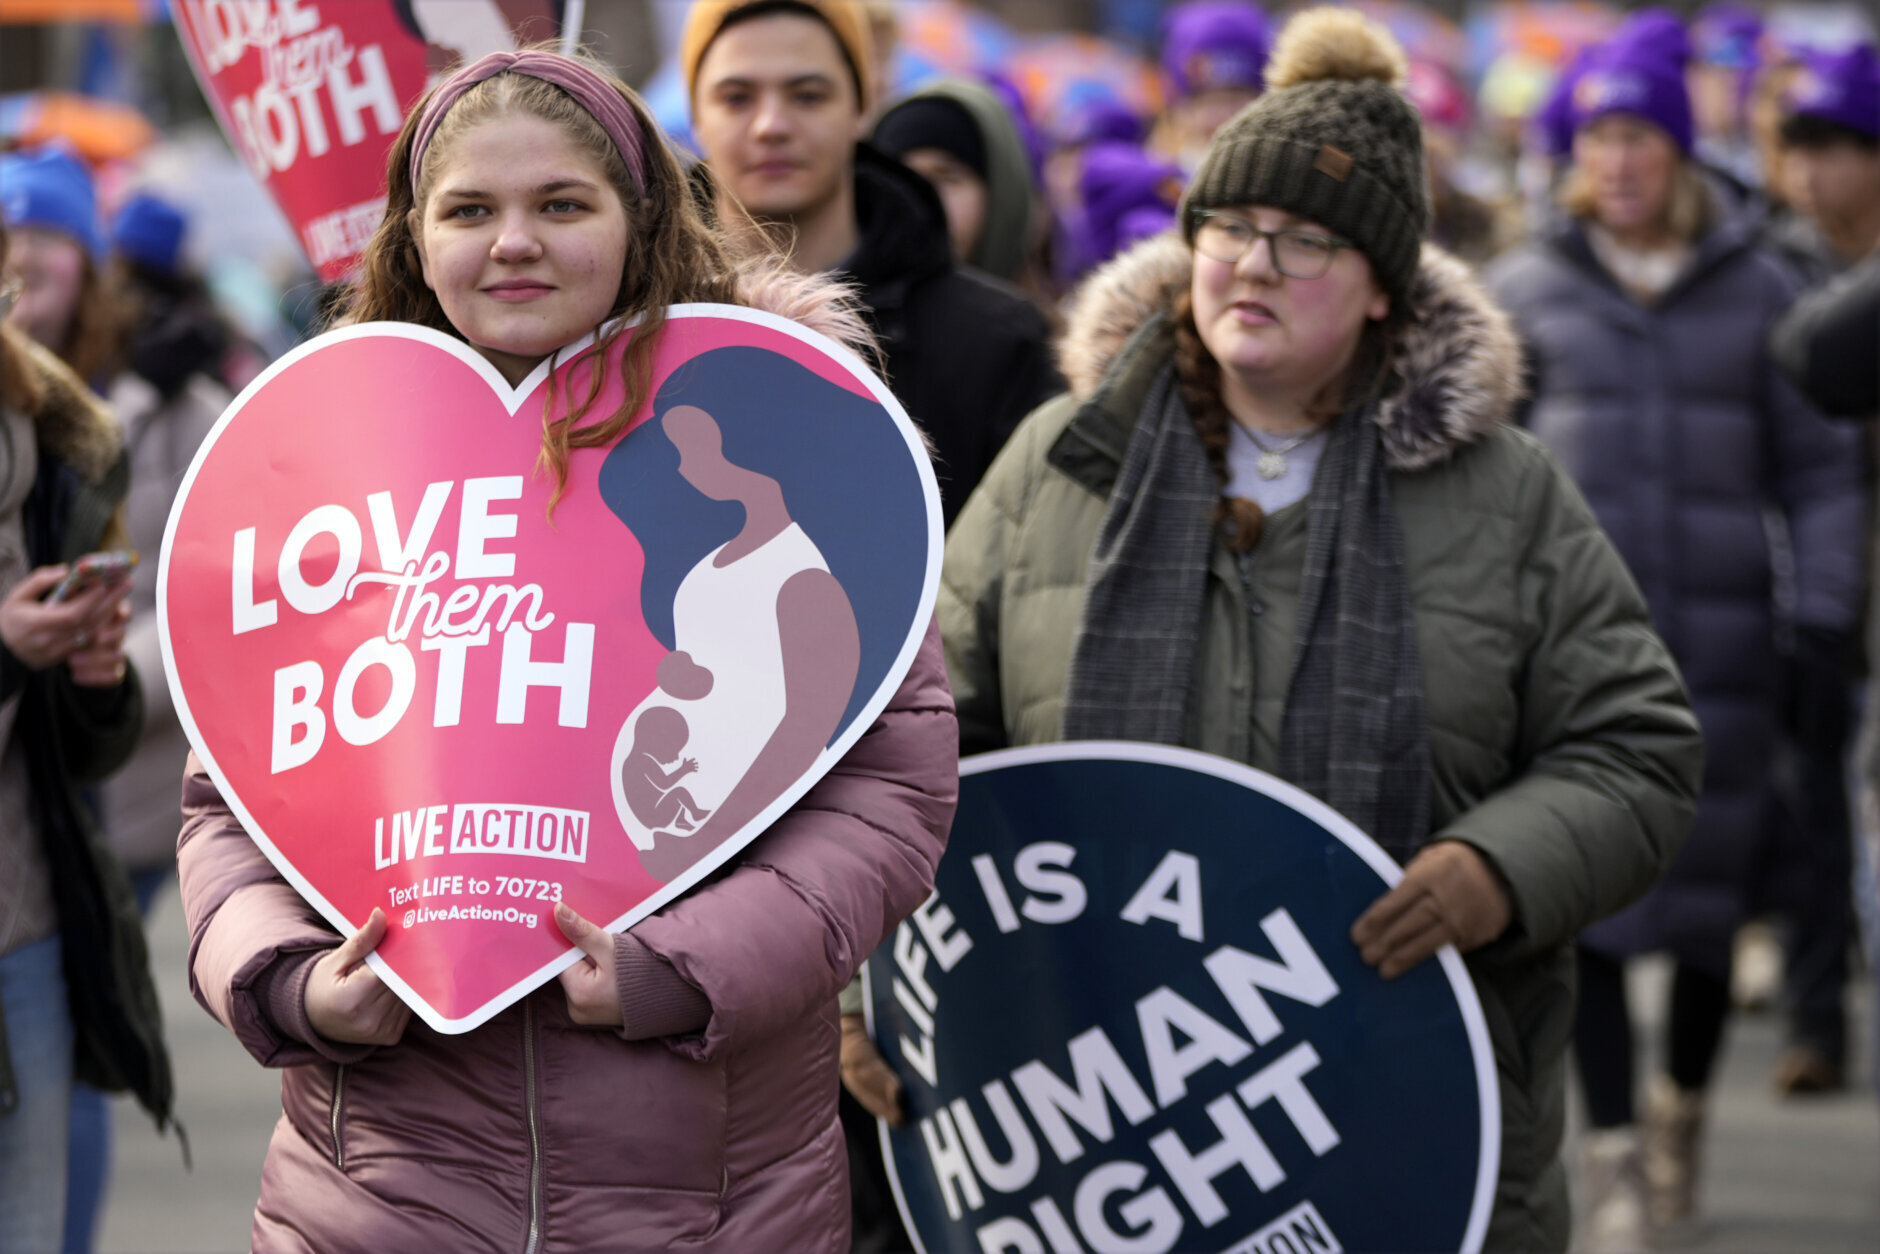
[[1281, 517]]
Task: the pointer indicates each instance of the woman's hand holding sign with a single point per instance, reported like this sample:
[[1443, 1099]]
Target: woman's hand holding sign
[[346, 1000], [593, 993], [85, 631], [867, 1075], [1449, 894]]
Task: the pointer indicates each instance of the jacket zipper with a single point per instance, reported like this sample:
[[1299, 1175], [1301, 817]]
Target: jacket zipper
[[535, 1137], [339, 1098]]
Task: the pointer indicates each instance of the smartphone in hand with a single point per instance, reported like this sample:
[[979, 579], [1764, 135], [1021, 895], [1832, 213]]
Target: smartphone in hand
[[93, 569]]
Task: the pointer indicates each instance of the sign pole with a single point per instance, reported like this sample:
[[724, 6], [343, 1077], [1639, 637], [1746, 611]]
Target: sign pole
[[571, 20]]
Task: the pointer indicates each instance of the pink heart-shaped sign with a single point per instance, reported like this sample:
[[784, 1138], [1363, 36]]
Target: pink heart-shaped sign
[[421, 691]]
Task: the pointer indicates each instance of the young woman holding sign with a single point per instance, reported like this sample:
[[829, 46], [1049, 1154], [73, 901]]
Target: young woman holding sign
[[678, 1087], [1281, 518]]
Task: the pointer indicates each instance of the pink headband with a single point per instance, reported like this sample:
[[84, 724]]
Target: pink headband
[[590, 91]]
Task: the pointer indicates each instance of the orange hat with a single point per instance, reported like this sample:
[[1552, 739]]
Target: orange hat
[[846, 19]]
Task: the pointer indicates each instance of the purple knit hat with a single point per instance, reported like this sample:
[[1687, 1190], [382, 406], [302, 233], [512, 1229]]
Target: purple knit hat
[[1215, 43], [1140, 223], [1097, 119], [1839, 87], [1655, 32], [1639, 71], [1119, 181], [1552, 123]]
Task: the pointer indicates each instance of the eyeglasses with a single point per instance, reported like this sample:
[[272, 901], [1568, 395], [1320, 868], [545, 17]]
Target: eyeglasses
[[1228, 237]]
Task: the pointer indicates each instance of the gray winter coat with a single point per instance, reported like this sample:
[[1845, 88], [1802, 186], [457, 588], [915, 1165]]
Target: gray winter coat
[[1685, 438]]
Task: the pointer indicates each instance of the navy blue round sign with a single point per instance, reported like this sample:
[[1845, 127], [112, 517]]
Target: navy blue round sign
[[1131, 1020]]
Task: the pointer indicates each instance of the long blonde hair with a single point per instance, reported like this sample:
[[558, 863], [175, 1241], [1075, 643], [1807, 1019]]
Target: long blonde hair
[[672, 255]]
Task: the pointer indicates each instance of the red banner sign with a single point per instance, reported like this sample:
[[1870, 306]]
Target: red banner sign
[[312, 93]]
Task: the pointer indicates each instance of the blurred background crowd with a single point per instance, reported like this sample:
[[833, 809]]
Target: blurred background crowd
[[1109, 103], [1057, 134]]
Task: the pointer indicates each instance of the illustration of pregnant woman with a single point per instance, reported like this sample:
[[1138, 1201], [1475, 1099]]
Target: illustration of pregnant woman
[[765, 657]]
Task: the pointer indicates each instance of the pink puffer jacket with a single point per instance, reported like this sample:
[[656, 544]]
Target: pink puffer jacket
[[532, 1133]]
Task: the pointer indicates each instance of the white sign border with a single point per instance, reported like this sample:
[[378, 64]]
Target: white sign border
[[1482, 1051], [512, 399]]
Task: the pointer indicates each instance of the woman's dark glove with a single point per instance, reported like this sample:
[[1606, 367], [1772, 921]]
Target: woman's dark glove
[[1821, 679]]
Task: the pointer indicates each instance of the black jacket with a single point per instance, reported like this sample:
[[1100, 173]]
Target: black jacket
[[1829, 341], [967, 355], [74, 737]]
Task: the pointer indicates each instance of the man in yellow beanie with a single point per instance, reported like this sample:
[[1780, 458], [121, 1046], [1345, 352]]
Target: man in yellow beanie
[[847, 20], [780, 93]]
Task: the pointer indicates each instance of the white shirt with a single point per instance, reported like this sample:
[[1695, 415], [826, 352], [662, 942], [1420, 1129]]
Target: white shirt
[[1272, 495], [725, 618]]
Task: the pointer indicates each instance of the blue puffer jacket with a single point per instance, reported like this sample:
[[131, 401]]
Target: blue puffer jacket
[[1685, 439]]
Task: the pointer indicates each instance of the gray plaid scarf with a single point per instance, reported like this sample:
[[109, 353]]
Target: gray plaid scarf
[[1354, 733]]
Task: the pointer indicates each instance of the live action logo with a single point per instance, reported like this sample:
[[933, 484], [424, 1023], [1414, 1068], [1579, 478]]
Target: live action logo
[[481, 827]]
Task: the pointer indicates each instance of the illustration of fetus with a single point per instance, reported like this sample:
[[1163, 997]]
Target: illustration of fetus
[[652, 790]]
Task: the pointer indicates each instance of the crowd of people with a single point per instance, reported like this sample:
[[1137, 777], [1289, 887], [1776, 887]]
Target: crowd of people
[[1503, 486]]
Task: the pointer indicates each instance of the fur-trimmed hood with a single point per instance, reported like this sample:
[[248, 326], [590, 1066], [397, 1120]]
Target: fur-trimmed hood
[[825, 305], [1460, 360], [70, 422]]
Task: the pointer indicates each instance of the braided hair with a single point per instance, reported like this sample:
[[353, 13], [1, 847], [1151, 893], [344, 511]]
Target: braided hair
[[1372, 375]]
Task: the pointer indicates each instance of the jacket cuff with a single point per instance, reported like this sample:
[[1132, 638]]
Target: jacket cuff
[[13, 674], [655, 1000], [281, 992], [850, 1001], [1513, 941], [105, 707]]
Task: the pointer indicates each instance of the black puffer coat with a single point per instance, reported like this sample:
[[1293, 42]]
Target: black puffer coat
[[1684, 438], [967, 355]]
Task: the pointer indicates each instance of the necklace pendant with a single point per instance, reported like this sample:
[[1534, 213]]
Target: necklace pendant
[[1270, 465]]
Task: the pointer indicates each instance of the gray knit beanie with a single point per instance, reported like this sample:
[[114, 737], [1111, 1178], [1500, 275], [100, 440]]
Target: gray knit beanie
[[1334, 139]]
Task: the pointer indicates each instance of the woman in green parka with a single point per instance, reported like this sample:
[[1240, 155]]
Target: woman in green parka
[[1281, 517]]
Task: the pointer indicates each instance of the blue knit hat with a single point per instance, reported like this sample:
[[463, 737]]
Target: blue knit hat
[[50, 189], [1640, 71], [1839, 87], [1725, 34], [149, 230], [1215, 43]]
